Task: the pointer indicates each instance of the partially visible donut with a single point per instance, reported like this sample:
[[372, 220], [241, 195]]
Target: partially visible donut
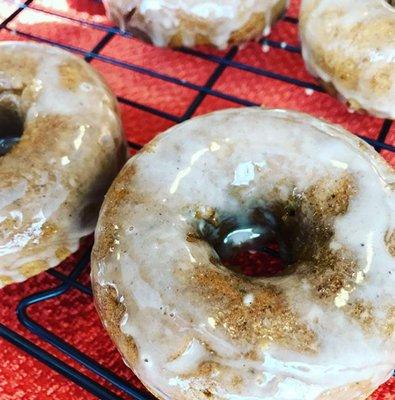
[[350, 47], [192, 328], [188, 23], [69, 147]]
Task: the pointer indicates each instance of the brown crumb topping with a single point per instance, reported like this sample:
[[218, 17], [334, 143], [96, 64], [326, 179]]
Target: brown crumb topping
[[5, 280], [62, 253], [19, 65], [361, 311], [306, 221], [72, 74], [268, 319], [48, 229], [33, 268], [389, 325], [208, 214], [381, 82], [390, 242]]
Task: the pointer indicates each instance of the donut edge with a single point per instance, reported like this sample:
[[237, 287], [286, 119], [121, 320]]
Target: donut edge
[[111, 312], [110, 309]]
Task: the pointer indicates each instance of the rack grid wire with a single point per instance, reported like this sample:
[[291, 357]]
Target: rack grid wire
[[71, 280]]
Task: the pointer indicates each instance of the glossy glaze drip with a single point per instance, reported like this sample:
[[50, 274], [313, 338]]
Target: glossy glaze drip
[[201, 331], [217, 20]]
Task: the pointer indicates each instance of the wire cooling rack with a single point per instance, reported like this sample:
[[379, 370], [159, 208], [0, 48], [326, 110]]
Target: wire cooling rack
[[71, 281]]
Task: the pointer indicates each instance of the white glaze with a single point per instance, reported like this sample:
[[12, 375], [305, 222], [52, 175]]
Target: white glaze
[[323, 29], [49, 185], [194, 165], [160, 19]]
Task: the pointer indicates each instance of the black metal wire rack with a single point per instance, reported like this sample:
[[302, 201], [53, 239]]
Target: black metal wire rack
[[71, 281]]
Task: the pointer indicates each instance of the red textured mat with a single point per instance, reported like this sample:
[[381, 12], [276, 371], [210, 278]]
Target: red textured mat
[[150, 104]]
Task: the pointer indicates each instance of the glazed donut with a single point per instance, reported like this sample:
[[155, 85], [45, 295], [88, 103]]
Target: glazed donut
[[192, 328], [69, 147], [188, 23], [351, 49]]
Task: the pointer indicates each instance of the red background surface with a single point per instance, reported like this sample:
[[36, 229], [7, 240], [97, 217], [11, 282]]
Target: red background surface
[[72, 316]]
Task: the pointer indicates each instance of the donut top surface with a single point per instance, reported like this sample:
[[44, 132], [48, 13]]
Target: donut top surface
[[54, 179], [352, 45], [162, 19], [201, 330]]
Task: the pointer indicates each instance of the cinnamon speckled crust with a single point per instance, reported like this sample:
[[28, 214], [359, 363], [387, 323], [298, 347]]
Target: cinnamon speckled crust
[[111, 312], [351, 48], [191, 22], [390, 242], [191, 328], [53, 181]]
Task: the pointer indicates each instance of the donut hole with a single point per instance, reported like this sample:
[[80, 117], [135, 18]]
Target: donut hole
[[250, 243], [11, 125], [263, 262], [282, 237]]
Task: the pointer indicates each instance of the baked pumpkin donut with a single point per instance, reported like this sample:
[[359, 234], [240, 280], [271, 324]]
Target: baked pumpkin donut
[[351, 48], [68, 146], [192, 328], [188, 23]]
